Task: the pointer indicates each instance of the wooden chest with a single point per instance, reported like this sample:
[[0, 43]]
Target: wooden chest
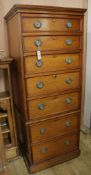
[[47, 87]]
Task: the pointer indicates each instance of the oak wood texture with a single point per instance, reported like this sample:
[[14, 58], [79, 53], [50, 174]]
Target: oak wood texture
[[57, 127], [7, 112], [51, 43], [2, 153], [46, 150], [52, 105], [31, 68], [78, 165], [50, 24], [52, 83], [40, 10], [6, 105], [52, 90]]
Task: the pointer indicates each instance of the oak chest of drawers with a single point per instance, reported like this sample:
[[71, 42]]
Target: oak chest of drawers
[[47, 45]]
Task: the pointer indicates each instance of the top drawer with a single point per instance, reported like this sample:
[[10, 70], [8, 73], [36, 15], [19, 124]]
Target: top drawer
[[50, 24]]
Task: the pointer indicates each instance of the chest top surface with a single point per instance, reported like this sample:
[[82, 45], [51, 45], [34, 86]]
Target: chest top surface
[[43, 10]]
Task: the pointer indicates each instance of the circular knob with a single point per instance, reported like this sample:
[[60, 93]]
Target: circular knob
[[44, 150], [69, 41], [38, 63], [68, 124], [38, 43], [68, 60], [68, 81], [40, 85], [37, 24], [42, 130], [41, 106], [67, 142], [68, 100], [69, 24]]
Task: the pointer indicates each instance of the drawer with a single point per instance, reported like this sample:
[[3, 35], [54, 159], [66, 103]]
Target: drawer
[[54, 148], [53, 105], [52, 83], [51, 43], [51, 63], [55, 127], [50, 24]]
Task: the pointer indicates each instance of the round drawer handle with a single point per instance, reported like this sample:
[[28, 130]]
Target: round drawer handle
[[40, 85], [67, 142], [37, 24], [69, 24], [38, 43], [67, 124], [44, 150], [68, 81], [41, 106], [39, 63], [42, 131], [68, 100], [69, 60], [69, 41]]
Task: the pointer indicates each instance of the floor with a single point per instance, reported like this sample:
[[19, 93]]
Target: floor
[[78, 166]]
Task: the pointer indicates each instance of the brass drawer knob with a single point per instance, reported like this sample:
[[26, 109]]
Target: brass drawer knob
[[38, 43], [68, 81], [67, 124], [37, 24], [42, 131], [69, 24], [44, 150], [67, 142], [41, 106], [69, 60], [68, 100], [39, 63], [40, 85], [69, 41]]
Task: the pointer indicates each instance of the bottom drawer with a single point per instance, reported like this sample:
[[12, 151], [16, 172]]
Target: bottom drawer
[[55, 148]]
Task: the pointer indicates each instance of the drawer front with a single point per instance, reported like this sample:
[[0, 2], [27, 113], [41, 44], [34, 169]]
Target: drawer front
[[55, 127], [52, 83], [50, 24], [55, 148], [52, 105], [51, 63], [51, 43]]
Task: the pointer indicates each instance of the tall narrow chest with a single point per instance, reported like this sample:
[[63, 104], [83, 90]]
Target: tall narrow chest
[[47, 45]]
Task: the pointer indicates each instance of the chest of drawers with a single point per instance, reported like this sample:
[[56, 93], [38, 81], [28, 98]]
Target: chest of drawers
[[47, 90]]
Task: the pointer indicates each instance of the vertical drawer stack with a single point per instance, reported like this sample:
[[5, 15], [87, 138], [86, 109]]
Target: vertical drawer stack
[[52, 83]]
